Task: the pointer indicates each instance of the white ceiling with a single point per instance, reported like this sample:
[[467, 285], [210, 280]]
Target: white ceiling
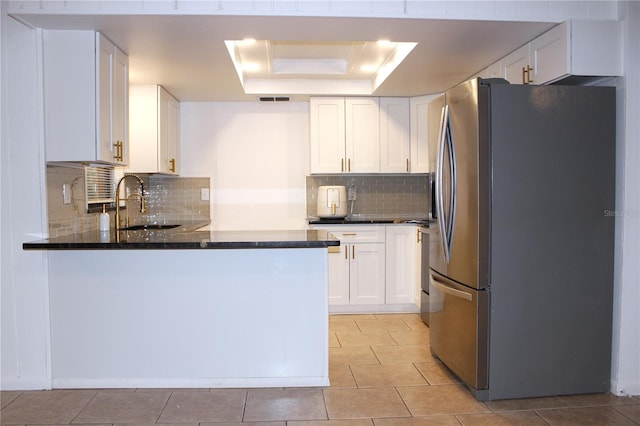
[[187, 54]]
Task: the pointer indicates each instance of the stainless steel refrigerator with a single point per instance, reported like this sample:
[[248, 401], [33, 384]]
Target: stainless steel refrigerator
[[521, 277]]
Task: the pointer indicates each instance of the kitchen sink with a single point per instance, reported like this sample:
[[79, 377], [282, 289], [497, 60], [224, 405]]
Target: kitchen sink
[[148, 227]]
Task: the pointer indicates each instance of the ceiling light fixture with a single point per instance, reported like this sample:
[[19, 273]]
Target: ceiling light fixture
[[368, 68], [315, 68], [251, 67]]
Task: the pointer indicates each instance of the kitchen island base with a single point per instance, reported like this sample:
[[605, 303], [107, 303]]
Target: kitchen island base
[[189, 318]]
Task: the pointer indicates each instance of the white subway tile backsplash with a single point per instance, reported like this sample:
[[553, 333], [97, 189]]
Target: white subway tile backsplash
[[169, 199], [378, 195]]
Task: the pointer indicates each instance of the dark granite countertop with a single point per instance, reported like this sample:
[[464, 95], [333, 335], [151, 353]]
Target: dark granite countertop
[[177, 239], [368, 220]]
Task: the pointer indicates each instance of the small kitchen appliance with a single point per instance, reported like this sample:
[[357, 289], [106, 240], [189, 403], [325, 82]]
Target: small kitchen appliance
[[332, 201]]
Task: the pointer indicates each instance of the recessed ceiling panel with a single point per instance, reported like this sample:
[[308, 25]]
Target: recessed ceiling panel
[[348, 67]]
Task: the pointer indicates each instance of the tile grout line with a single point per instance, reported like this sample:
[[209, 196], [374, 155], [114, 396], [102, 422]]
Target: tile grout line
[[164, 406], [244, 406], [95, 395]]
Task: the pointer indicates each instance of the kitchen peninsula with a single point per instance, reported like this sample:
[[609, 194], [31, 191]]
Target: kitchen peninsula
[[173, 308]]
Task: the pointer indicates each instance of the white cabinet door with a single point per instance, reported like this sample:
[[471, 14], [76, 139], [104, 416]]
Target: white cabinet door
[[402, 256], [513, 65], [155, 127], [421, 125], [327, 135], [113, 97], [85, 98], [362, 135], [549, 55], [581, 48], [367, 274], [492, 71], [143, 128], [169, 129], [357, 269], [339, 275], [105, 58], [119, 107], [395, 141]]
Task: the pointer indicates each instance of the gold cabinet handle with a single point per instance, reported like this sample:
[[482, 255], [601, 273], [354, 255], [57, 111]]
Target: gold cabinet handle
[[172, 165], [119, 148], [353, 252], [342, 164], [346, 252], [407, 164], [349, 165], [349, 234], [526, 75], [419, 236]]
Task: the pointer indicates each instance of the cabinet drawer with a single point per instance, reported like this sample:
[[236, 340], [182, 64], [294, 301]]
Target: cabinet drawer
[[358, 234]]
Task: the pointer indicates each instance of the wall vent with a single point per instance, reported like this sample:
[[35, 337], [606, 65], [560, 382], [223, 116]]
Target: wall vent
[[274, 98]]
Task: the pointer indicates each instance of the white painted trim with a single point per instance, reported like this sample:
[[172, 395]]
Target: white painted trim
[[234, 382], [44, 216], [25, 384], [498, 10], [374, 309]]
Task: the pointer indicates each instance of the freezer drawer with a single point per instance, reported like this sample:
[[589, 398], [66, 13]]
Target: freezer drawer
[[458, 324]]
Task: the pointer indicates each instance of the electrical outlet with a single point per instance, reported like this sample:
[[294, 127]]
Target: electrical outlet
[[351, 195], [66, 193], [204, 194]]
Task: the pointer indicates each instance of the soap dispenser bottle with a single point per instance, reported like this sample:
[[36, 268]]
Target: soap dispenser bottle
[[104, 219]]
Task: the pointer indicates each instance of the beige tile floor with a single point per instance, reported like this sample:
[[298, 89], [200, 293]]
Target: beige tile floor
[[382, 374]]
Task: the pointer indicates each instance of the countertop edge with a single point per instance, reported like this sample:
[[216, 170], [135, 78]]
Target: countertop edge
[[194, 240], [204, 245]]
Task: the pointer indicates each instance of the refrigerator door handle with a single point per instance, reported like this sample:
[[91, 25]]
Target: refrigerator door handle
[[452, 291], [439, 174], [452, 174], [446, 224]]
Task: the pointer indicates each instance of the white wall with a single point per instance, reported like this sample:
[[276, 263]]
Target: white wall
[[626, 339], [257, 156], [24, 290]]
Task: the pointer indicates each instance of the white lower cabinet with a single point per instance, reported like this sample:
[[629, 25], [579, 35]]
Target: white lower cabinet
[[374, 269], [403, 248], [356, 274], [356, 270]]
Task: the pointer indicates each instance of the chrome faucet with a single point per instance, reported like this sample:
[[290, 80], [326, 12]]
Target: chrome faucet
[[143, 207]]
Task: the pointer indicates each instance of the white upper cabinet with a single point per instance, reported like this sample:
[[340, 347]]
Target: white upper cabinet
[[421, 125], [362, 133], [492, 71], [578, 48], [345, 135], [327, 135], [86, 80], [395, 140], [515, 66], [154, 122]]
